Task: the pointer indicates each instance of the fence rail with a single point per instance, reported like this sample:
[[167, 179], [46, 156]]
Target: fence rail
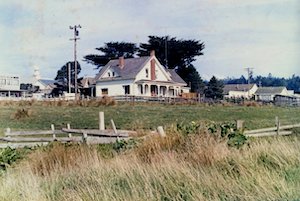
[[16, 139], [272, 131]]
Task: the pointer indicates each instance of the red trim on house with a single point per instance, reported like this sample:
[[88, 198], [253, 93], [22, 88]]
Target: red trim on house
[[152, 63]]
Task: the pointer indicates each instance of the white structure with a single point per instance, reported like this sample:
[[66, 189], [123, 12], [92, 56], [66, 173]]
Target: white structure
[[267, 94], [287, 100], [143, 76], [9, 83], [239, 90], [10, 86], [45, 86]]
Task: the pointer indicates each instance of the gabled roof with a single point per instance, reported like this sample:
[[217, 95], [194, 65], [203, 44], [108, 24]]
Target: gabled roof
[[87, 81], [131, 68], [269, 90], [47, 82], [237, 87], [175, 77]]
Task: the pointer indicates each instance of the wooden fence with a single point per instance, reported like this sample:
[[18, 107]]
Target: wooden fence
[[17, 139], [278, 129], [158, 99]]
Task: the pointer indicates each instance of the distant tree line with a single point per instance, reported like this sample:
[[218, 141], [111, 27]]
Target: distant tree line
[[292, 83]]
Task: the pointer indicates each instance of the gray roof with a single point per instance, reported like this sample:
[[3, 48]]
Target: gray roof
[[175, 77], [132, 66], [269, 90], [47, 82], [237, 87]]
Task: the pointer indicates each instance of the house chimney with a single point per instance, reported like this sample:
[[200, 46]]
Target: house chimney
[[121, 62], [152, 69], [152, 53]]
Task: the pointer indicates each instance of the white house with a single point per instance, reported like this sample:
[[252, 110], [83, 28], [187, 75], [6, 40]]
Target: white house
[[267, 94], [239, 90], [10, 86], [45, 86], [143, 76]]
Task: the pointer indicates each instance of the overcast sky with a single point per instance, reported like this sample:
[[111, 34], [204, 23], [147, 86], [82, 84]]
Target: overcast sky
[[261, 34]]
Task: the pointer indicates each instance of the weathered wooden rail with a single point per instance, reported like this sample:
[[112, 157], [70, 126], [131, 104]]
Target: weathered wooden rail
[[16, 139], [272, 131]]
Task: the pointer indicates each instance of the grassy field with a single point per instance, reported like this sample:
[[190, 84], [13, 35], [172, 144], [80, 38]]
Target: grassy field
[[139, 116], [194, 166]]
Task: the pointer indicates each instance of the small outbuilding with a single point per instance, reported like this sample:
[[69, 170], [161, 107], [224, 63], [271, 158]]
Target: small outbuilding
[[287, 100], [234, 91], [267, 94]]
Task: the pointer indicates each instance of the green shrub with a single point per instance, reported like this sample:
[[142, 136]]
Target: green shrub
[[235, 138], [8, 156], [190, 128]]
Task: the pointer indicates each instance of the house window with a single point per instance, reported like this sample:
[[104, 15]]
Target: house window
[[147, 73], [108, 74], [126, 89], [113, 74], [104, 91]]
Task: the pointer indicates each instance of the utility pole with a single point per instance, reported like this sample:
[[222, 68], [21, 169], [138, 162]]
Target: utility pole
[[76, 33], [69, 76], [250, 72], [166, 51]]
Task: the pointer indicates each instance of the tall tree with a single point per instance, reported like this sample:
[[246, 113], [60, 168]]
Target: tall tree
[[214, 89], [63, 76], [177, 54], [112, 50], [293, 83], [180, 53], [192, 78]]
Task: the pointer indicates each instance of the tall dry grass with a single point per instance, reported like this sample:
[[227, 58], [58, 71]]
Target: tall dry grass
[[197, 167]]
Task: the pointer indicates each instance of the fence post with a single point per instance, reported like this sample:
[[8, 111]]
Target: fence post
[[277, 125], [113, 126], [84, 137], [53, 131], [101, 121], [69, 127], [161, 131], [239, 124], [7, 133]]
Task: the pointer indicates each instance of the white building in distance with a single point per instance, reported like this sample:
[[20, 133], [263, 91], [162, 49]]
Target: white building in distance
[[143, 76], [10, 86]]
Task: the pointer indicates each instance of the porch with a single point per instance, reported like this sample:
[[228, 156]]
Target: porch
[[159, 89]]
